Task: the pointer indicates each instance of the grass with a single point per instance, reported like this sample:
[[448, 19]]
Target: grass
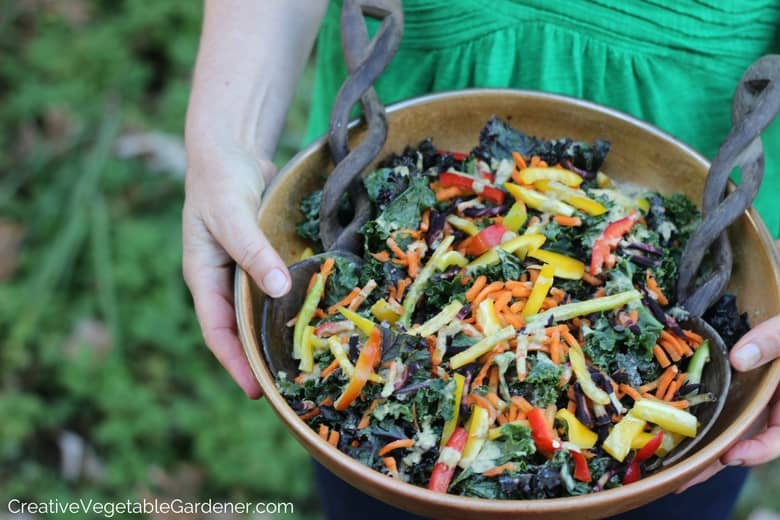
[[100, 342]]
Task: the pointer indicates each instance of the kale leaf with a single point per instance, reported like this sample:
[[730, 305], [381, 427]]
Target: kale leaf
[[515, 443], [403, 212], [509, 267], [541, 386], [309, 227], [343, 279], [724, 318], [498, 140], [385, 184]]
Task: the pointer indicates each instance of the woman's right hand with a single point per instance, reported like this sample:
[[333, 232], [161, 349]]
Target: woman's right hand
[[251, 55]]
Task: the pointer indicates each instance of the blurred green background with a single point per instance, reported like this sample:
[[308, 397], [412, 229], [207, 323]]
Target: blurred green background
[[106, 388]]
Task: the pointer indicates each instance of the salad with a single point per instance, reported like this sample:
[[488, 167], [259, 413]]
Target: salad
[[512, 332]]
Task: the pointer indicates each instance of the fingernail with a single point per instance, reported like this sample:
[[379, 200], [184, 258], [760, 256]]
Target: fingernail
[[275, 283], [747, 356], [736, 462]]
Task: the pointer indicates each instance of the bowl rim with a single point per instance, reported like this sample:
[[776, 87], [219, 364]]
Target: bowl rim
[[382, 486]]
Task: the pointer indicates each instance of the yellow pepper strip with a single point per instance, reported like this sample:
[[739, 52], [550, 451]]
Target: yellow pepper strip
[[443, 318], [641, 439], [569, 178], [498, 431], [666, 416], [618, 442], [540, 290], [623, 200], [540, 202], [337, 349], [306, 313], [419, 283], [483, 346], [451, 258], [360, 322], [306, 253], [516, 216], [477, 430], [565, 266], [572, 310], [603, 180], [518, 245], [643, 204], [463, 224], [382, 311], [307, 350], [578, 433], [452, 423], [576, 198], [580, 369], [670, 441], [487, 318]]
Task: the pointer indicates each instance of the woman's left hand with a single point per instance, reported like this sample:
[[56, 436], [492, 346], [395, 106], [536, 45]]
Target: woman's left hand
[[758, 347]]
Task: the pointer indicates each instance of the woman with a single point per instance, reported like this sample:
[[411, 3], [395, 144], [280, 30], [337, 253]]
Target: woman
[[674, 64]]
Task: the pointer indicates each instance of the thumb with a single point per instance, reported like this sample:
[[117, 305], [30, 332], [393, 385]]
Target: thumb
[[759, 346], [235, 227]]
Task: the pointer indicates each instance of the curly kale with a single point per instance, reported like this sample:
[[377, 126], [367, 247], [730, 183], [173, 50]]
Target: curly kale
[[541, 386], [509, 267], [498, 140], [726, 319], [343, 279]]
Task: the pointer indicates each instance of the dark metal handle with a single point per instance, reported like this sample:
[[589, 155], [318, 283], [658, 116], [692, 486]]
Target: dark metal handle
[[365, 62], [756, 103]]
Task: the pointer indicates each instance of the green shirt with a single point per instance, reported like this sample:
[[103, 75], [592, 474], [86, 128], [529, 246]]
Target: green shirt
[[674, 64]]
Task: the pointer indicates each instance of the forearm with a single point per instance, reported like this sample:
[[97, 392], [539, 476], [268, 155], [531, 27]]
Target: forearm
[[251, 56]]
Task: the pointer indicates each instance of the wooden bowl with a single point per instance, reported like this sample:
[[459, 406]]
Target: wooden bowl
[[640, 154]]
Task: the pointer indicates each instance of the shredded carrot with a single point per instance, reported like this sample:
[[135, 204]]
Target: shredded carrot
[[591, 280], [679, 344], [391, 465], [324, 431], [502, 419], [314, 412], [334, 365], [328, 401], [634, 315], [413, 257], [563, 220], [679, 404], [345, 301], [675, 386], [630, 391], [382, 256], [480, 377], [355, 443], [513, 319], [484, 403], [479, 284], [311, 282], [661, 356], [426, 221], [666, 378], [395, 249], [517, 307], [365, 421], [568, 337], [390, 446], [493, 379], [649, 387], [491, 287], [600, 292], [519, 161], [319, 313], [513, 411], [572, 406], [534, 274], [693, 337], [494, 472], [300, 378], [555, 346], [502, 300], [652, 285], [333, 438], [493, 398], [402, 285], [671, 349], [522, 403], [448, 193]]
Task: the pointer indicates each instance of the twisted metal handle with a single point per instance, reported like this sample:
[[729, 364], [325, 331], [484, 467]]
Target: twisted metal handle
[[755, 104], [365, 62]]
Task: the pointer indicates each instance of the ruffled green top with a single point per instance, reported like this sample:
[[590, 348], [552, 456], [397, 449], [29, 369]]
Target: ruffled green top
[[672, 63]]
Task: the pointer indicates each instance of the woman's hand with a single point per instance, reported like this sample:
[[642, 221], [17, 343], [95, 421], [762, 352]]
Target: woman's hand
[[758, 347], [251, 55]]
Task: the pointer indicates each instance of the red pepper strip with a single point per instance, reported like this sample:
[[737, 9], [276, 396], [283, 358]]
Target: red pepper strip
[[581, 469], [634, 472], [458, 156], [369, 357], [649, 448], [490, 193], [608, 240], [485, 240], [542, 433], [442, 473]]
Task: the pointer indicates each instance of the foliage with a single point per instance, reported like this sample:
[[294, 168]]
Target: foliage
[[99, 334]]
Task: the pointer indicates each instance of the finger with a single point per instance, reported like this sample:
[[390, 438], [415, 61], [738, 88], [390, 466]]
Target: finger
[[760, 345], [763, 447], [208, 273], [708, 473]]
